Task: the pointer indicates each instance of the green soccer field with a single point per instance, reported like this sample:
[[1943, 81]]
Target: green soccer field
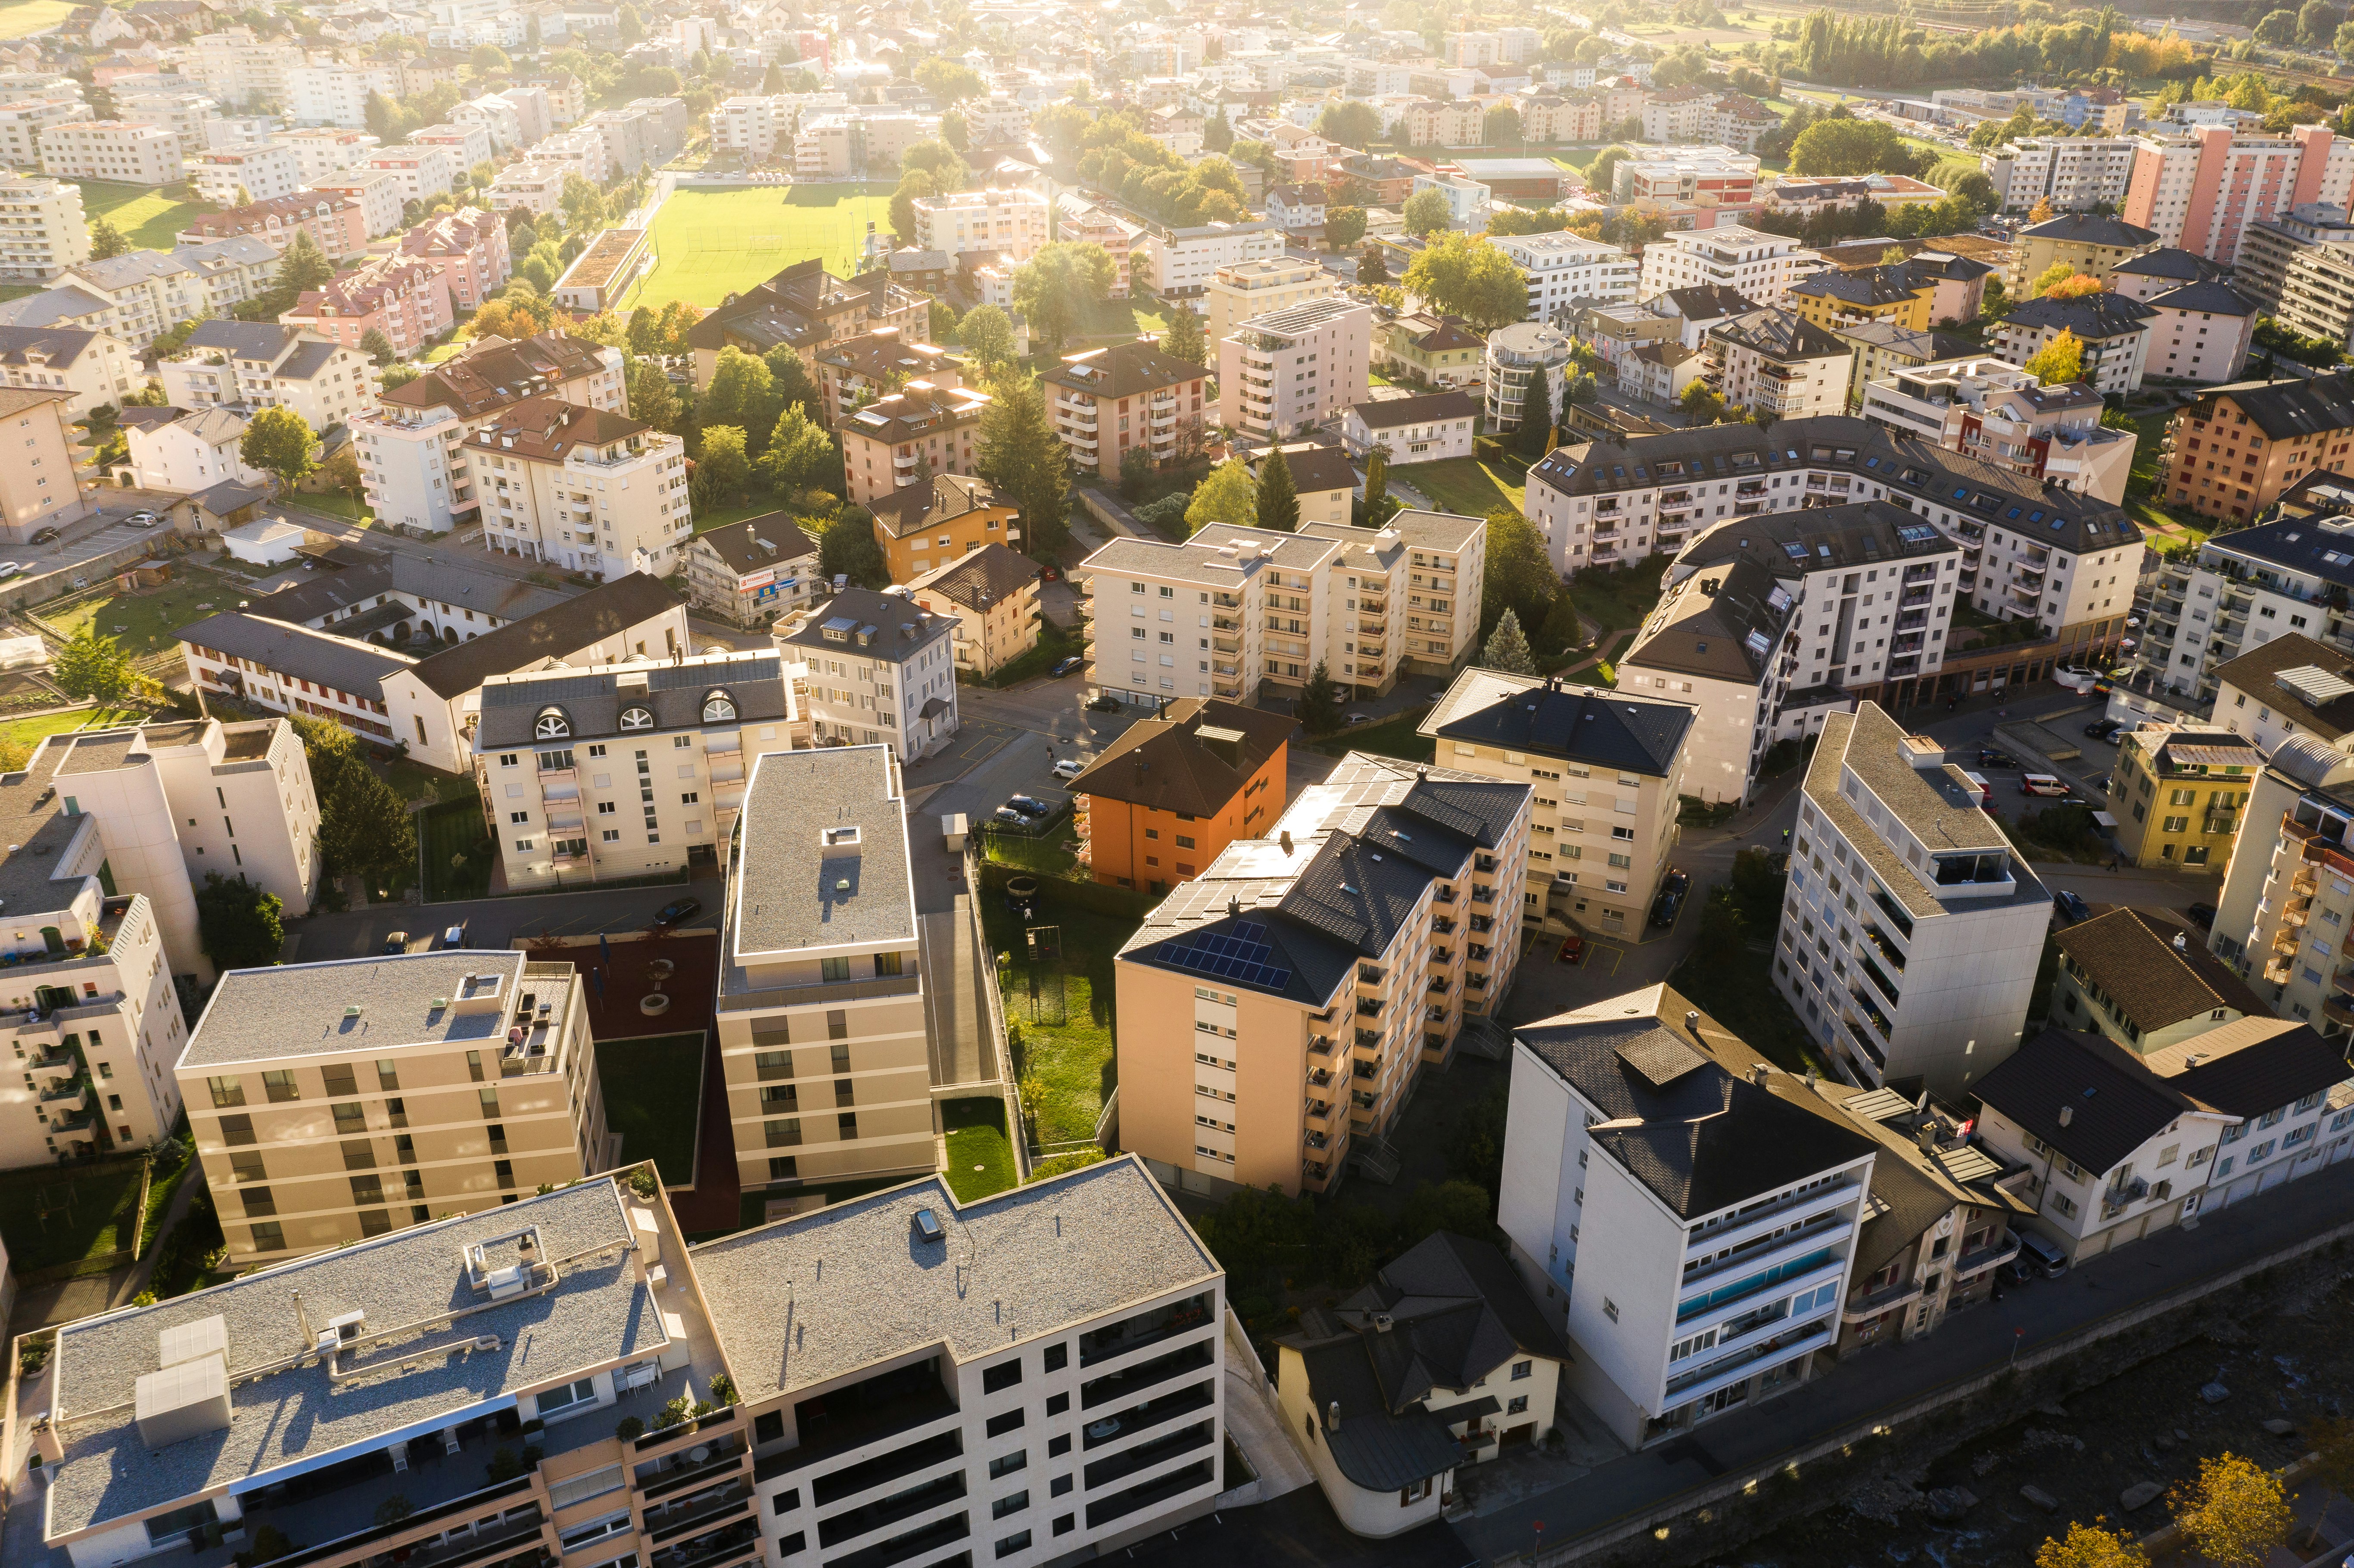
[[710, 244]]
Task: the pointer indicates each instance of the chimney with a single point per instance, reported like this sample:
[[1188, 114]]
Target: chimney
[[1692, 1024], [1284, 838], [2067, 1115], [1926, 1136], [1333, 1416], [1757, 1071]]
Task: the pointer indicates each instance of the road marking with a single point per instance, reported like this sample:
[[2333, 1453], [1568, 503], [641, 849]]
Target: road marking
[[1596, 950], [986, 747]]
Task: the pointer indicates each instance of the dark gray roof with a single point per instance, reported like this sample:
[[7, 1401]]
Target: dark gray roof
[[1387, 414], [2257, 671], [445, 581], [1779, 334], [2114, 1104], [2285, 1064], [317, 656], [745, 547], [1722, 623], [1706, 301], [813, 820], [244, 340], [552, 633], [2282, 409], [2172, 261], [57, 346], [897, 622], [1819, 538], [592, 700], [309, 358], [2090, 228], [2094, 317], [2208, 298], [1582, 724], [989, 575], [1313, 469]]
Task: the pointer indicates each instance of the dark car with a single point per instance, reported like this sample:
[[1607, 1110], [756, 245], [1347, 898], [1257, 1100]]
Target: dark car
[[1065, 666], [1573, 949], [2103, 729], [1029, 805], [1009, 816], [676, 910], [2203, 915], [1671, 901], [1989, 757], [43, 537], [2016, 1274], [2071, 908]]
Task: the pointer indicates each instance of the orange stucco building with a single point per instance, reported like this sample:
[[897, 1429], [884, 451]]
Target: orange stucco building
[[1174, 791]]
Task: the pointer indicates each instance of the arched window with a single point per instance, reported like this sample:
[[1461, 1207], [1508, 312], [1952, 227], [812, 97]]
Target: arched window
[[718, 708], [551, 724], [637, 718]]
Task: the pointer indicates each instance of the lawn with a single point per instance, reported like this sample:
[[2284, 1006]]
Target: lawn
[[1391, 737], [150, 217], [1055, 644], [720, 516], [414, 781], [335, 503], [22, 19], [93, 1209], [446, 832], [1465, 486], [160, 1193], [653, 1087], [714, 243], [26, 732], [1065, 1054], [980, 1159], [1118, 321], [149, 620], [1612, 599]]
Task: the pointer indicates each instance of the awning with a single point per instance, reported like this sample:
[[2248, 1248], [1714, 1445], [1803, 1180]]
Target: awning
[[1471, 1410]]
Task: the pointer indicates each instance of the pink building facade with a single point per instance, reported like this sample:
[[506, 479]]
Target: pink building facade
[[335, 223], [2221, 182], [469, 247], [399, 296]]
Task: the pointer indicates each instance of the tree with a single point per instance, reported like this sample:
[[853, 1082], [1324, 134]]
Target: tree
[[915, 186], [1501, 126], [1520, 574], [364, 827], [1700, 403], [2060, 361], [651, 401], [488, 59], [378, 348], [722, 471], [106, 241], [278, 440], [678, 319], [303, 266], [937, 159], [1184, 339], [342, 470], [1319, 710], [1425, 212], [1373, 265], [954, 130], [1602, 173], [1229, 497], [1507, 648], [1464, 275], [238, 924], [801, 455], [989, 333], [645, 332], [94, 667], [1055, 286], [1377, 479], [949, 81], [1135, 472], [174, 339], [1218, 135], [581, 203], [1279, 499], [2085, 1546], [1343, 227], [742, 393], [848, 548], [2041, 212], [2277, 27], [1535, 434], [399, 375], [1023, 456], [788, 378], [1351, 122], [2234, 1514], [1852, 146], [2049, 278]]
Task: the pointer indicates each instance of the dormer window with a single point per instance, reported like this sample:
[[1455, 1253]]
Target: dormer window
[[637, 718], [718, 708], [551, 724]]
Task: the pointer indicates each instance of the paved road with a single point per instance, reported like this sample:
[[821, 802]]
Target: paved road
[[496, 922]]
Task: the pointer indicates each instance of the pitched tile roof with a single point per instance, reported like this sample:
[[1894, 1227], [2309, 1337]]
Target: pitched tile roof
[[1779, 334], [1122, 370], [2094, 317], [1166, 764], [2285, 409], [1610, 729], [1315, 467], [553, 633], [2206, 297], [981, 578], [912, 508], [2090, 228], [2113, 1102], [2155, 967], [2258, 672], [770, 539], [1430, 408]]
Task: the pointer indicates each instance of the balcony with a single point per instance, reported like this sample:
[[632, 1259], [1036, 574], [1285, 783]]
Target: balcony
[[1871, 1009], [1983, 1258]]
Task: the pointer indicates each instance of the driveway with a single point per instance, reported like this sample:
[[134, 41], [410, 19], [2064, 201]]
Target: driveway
[[495, 922]]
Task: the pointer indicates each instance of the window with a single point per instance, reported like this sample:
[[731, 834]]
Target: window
[[227, 1091], [637, 718], [1005, 1374], [1005, 1504], [1058, 1447], [247, 1167], [236, 1129], [268, 1236], [279, 1082], [718, 708], [1518, 1405], [1522, 1369], [998, 1425], [1013, 1543], [1006, 1464], [551, 724], [1058, 1357], [565, 1395], [1414, 1493]]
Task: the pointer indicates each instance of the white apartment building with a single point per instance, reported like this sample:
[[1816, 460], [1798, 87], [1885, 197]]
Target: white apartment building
[[1605, 770], [494, 114], [755, 128], [580, 151], [1758, 266], [1566, 271], [378, 192], [995, 120], [113, 150], [1015, 223], [1690, 1212], [1178, 263], [325, 151], [882, 671], [181, 451], [193, 117], [525, 184], [2242, 591], [627, 770], [246, 176], [466, 144], [1469, 203], [1775, 362], [422, 172], [1270, 606], [89, 368], [42, 230], [140, 293], [1993, 411], [1515, 356], [1290, 369], [246, 365], [2074, 174], [1249, 289], [239, 69], [414, 451], [588, 490], [328, 95], [1911, 937], [23, 118]]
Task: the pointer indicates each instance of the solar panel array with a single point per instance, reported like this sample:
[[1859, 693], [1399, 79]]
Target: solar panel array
[[1240, 955]]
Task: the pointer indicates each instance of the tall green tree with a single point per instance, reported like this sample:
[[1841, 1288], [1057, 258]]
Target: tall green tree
[[303, 265], [1055, 287], [278, 440], [721, 470], [1425, 212], [1343, 227], [651, 401], [1464, 275], [742, 394], [1320, 706], [1534, 438], [801, 455], [1351, 122], [1024, 459], [848, 548], [106, 241], [1218, 135], [989, 333], [1377, 478], [1278, 499], [914, 184], [378, 348], [238, 924], [1507, 648], [93, 667], [788, 378], [1519, 574], [1184, 339], [364, 827], [1229, 496]]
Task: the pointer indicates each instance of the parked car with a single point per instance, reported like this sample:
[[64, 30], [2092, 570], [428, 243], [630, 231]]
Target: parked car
[[397, 943], [455, 936], [2076, 677], [1069, 767], [2103, 729], [9, 569], [2015, 1274], [1050, 575], [2042, 784], [1989, 757], [142, 520], [1572, 951], [1671, 901], [44, 535], [1355, 719], [1029, 805], [2042, 1255], [676, 910], [2071, 908], [2203, 915], [1065, 666], [1009, 816]]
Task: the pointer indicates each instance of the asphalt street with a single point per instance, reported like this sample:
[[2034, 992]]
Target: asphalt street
[[496, 922]]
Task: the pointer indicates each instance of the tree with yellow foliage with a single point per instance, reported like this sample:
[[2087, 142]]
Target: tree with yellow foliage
[[2234, 1514], [2060, 361], [2041, 211], [2088, 1546], [2057, 273]]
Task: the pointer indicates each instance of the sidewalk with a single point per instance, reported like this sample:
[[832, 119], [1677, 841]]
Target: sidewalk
[[1885, 1380]]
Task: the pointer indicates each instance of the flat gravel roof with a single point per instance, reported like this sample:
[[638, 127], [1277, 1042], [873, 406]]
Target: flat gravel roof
[[303, 1009]]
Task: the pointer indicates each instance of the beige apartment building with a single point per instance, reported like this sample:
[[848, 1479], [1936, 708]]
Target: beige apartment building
[[334, 1101], [880, 671], [113, 150], [821, 1008], [1351, 946], [42, 230], [1106, 401], [1284, 371], [1605, 769], [37, 488], [992, 594], [585, 489], [1247, 288], [1015, 223], [627, 771]]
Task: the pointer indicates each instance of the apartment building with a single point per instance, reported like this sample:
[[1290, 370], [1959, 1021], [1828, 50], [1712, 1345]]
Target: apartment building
[[856, 370], [1270, 606], [1692, 1212], [886, 444], [406, 300], [1926, 979], [1840, 297], [1091, 1424], [991, 594], [2177, 791], [2086, 243], [413, 450], [92, 368], [2146, 980], [1517, 356], [1994, 411], [399, 599], [1015, 223], [552, 744], [1425, 429], [337, 225], [378, 192], [2269, 250], [1168, 795], [2114, 331], [882, 671], [1292, 369], [1424, 349], [1085, 224], [467, 146], [469, 249], [1235, 293], [1685, 182], [1774, 362], [113, 150], [2316, 295], [2217, 184], [756, 128], [585, 489], [2074, 174], [2238, 448], [1759, 266], [247, 366], [1106, 401], [326, 150], [1568, 270], [845, 146], [243, 175], [141, 293], [38, 491], [748, 572], [23, 118], [1350, 973], [824, 997], [42, 231], [328, 95], [1178, 263], [536, 186], [920, 526]]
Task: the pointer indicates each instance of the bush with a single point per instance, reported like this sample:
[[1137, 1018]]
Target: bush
[[1487, 449], [722, 1391], [643, 1183], [1166, 516], [630, 1429]]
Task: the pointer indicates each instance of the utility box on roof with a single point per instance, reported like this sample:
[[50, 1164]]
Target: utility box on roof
[[187, 1341], [184, 1401]]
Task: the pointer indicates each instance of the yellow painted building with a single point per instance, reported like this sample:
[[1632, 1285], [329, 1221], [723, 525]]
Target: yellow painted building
[[1831, 298], [2179, 791]]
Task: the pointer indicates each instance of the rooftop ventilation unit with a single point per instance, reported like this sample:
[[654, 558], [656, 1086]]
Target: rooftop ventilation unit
[[2313, 686], [184, 1401]]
